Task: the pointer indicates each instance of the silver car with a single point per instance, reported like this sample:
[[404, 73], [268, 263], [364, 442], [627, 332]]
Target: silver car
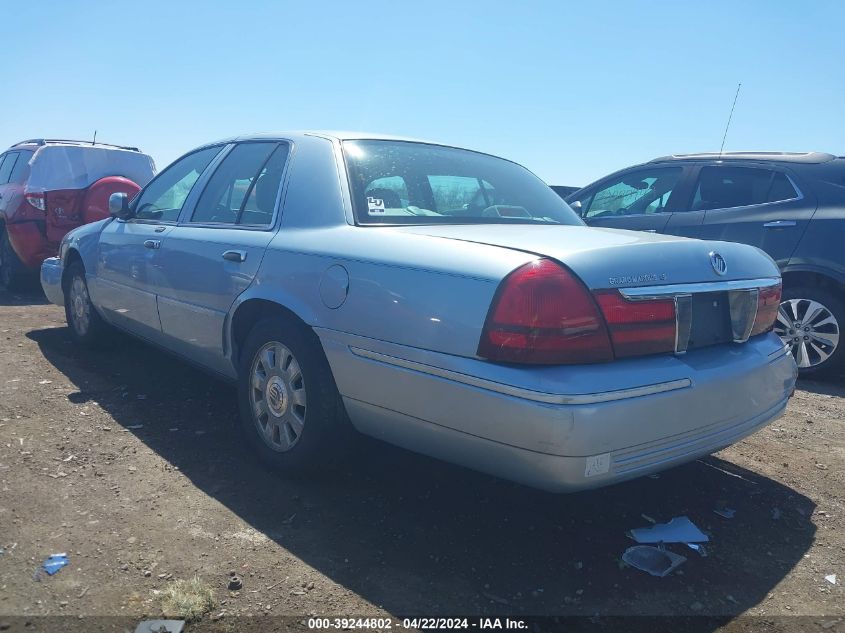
[[436, 298]]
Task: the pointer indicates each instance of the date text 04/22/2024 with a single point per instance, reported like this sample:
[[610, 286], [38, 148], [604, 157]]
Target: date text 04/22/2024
[[419, 623]]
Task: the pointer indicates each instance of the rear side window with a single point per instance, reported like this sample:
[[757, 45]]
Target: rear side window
[[725, 187], [243, 188], [165, 196], [259, 205], [21, 169], [6, 166], [781, 189]]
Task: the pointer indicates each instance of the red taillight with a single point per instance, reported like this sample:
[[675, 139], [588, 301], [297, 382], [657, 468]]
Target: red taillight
[[768, 302], [37, 200], [543, 314], [638, 327]]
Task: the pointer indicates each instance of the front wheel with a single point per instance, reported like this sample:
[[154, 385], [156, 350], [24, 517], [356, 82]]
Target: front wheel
[[291, 411], [809, 321]]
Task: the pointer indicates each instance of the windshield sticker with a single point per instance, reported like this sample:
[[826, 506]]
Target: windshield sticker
[[375, 206]]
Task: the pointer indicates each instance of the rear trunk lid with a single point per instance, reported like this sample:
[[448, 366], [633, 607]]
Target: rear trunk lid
[[612, 258], [718, 288]]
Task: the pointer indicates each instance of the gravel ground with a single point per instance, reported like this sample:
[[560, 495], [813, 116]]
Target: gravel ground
[[129, 461]]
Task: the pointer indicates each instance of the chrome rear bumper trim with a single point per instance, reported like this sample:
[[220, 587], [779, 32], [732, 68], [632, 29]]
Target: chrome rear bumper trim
[[641, 293], [519, 392]]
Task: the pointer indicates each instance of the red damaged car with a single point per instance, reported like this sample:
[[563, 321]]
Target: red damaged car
[[49, 186]]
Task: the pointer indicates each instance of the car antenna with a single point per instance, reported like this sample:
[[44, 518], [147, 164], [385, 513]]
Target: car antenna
[[94, 142], [730, 116]]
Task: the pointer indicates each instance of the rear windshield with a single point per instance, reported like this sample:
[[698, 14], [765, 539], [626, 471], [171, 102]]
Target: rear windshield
[[77, 167], [399, 182]]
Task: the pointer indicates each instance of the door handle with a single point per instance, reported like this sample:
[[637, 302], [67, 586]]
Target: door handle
[[649, 230], [152, 243], [235, 256], [779, 224]]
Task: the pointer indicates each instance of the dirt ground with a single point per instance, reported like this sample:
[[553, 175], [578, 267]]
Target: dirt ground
[[128, 460]]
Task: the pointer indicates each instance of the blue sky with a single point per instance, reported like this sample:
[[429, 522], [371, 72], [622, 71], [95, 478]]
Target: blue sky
[[572, 90]]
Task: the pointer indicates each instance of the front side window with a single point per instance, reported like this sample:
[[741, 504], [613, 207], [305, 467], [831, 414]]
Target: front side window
[[400, 182], [162, 200], [243, 188], [8, 162], [636, 193], [725, 187]]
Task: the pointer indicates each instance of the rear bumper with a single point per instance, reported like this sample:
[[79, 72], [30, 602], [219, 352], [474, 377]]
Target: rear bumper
[[51, 280], [29, 243], [563, 428]]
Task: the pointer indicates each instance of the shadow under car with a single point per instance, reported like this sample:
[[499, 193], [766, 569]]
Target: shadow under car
[[422, 537]]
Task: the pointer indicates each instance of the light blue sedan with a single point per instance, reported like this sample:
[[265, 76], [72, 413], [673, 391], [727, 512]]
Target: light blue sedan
[[436, 298]]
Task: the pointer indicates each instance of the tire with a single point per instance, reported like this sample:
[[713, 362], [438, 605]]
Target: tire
[[815, 344], [86, 325], [290, 410], [13, 274]]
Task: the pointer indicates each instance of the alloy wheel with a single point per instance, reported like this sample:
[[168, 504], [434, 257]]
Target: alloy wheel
[[809, 329]]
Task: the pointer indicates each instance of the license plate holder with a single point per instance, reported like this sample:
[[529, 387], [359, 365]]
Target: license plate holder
[[711, 320]]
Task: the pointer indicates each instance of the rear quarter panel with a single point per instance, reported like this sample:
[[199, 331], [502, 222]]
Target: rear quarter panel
[[820, 249], [401, 288]]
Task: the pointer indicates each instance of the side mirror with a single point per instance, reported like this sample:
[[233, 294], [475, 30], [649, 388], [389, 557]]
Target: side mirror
[[119, 206], [576, 206]]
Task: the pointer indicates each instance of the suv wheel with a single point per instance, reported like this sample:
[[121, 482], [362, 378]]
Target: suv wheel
[[291, 411], [809, 322], [12, 270], [86, 325]]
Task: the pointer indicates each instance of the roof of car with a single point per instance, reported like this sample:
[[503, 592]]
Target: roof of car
[[780, 157], [330, 134], [41, 142]]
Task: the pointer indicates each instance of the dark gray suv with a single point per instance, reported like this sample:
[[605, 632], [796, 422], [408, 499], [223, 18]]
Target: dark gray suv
[[791, 205]]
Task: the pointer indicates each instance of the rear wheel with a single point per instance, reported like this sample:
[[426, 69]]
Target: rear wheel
[[809, 322], [86, 325], [12, 271], [291, 411]]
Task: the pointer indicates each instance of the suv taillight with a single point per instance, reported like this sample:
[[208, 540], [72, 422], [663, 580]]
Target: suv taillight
[[37, 200], [638, 327], [543, 314], [768, 302]]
